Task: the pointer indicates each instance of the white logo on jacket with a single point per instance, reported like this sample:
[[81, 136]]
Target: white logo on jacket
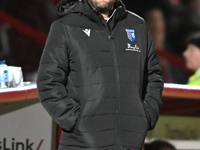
[[87, 31], [133, 48]]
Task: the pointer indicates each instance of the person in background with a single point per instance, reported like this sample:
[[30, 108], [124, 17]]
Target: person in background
[[192, 59], [99, 76], [159, 145], [156, 23], [196, 5], [184, 22]]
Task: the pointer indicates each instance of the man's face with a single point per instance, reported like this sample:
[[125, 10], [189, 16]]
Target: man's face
[[102, 5], [192, 57]]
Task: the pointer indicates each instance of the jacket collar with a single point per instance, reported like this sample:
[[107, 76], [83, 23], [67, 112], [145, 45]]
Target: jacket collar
[[66, 7]]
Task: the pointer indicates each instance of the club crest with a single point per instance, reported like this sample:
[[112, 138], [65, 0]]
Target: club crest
[[131, 34]]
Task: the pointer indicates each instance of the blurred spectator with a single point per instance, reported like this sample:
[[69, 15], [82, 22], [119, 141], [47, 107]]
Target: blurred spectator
[[196, 5], [159, 145], [192, 58], [156, 23], [174, 2], [183, 22]]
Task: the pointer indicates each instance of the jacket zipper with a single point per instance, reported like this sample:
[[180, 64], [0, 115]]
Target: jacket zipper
[[116, 72], [118, 92]]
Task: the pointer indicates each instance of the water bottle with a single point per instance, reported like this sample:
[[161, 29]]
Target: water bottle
[[4, 80]]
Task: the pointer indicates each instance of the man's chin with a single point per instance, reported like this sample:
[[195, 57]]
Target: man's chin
[[102, 6], [191, 68], [103, 9]]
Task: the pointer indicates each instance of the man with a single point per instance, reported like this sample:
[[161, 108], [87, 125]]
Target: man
[[99, 77], [192, 58]]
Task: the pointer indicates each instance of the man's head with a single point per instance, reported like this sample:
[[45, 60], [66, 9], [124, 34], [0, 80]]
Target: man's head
[[159, 145], [192, 53], [103, 6], [156, 23]]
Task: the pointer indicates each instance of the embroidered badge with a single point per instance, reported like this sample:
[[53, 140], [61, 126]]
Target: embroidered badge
[[131, 34]]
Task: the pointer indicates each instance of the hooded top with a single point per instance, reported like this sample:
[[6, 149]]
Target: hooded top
[[67, 6], [82, 7], [100, 80]]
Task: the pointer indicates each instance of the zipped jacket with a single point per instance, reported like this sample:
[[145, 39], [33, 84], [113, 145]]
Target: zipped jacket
[[100, 80]]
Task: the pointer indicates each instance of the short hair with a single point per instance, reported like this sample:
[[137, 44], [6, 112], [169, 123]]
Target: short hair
[[158, 145], [195, 40]]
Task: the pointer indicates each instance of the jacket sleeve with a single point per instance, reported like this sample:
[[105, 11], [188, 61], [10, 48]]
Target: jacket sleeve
[[52, 79], [153, 83]]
